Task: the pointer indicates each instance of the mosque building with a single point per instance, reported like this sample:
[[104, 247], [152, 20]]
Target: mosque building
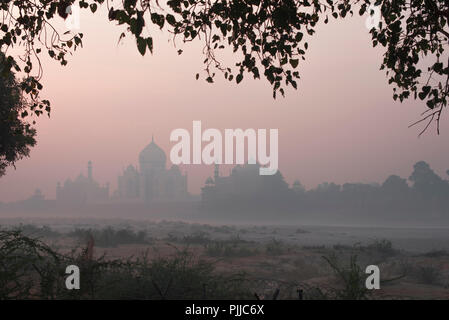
[[82, 189], [245, 189], [150, 182]]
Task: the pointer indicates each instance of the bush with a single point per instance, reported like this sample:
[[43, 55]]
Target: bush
[[276, 247], [109, 237], [228, 249], [428, 275], [38, 232], [197, 238], [22, 258], [381, 249], [384, 247], [32, 270], [351, 277]]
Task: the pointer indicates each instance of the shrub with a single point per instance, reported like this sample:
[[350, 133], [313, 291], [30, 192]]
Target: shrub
[[428, 275], [276, 247], [384, 247], [21, 258], [228, 249], [197, 238], [351, 277], [37, 232], [32, 270], [109, 237]]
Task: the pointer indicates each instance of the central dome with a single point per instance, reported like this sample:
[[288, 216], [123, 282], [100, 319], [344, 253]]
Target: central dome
[[152, 154]]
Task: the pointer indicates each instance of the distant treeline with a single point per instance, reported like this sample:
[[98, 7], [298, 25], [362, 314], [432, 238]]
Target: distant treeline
[[423, 195], [426, 193]]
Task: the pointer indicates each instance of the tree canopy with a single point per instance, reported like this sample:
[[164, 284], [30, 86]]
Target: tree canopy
[[269, 39], [16, 135]]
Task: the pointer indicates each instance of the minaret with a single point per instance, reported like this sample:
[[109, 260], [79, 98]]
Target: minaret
[[216, 173], [89, 170], [58, 190]]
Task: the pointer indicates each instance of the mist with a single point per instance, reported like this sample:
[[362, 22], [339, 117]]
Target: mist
[[353, 180]]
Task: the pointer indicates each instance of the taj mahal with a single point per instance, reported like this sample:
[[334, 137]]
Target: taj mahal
[[153, 182], [149, 182]]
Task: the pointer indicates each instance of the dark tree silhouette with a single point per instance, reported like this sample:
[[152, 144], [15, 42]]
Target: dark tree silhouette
[[16, 135], [269, 37], [426, 181], [395, 185]]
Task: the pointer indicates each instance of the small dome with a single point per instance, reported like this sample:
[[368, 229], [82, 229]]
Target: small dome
[[153, 154]]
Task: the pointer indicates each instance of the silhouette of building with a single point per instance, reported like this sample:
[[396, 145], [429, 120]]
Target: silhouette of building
[[82, 189], [37, 196], [152, 182], [245, 189]]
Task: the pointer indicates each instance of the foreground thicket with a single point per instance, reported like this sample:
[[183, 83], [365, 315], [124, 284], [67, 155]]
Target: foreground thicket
[[209, 268], [30, 269]]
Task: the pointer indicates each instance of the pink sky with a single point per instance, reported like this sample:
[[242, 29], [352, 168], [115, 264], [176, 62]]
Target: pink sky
[[341, 125]]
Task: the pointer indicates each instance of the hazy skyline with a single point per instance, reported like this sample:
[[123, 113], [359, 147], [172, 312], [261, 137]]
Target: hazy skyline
[[341, 125]]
